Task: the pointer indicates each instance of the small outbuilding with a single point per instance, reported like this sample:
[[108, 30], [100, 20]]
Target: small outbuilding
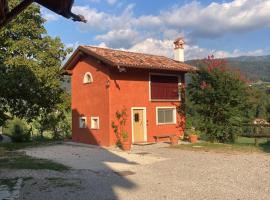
[[105, 81]]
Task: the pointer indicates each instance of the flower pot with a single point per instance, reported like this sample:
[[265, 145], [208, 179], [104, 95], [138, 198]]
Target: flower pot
[[174, 140], [126, 146], [67, 140], [193, 138]]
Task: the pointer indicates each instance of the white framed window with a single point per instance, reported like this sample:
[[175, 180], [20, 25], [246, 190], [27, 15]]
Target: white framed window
[[94, 122], [166, 115], [83, 122], [87, 78]]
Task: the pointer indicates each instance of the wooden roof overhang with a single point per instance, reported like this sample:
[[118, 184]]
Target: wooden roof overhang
[[61, 7]]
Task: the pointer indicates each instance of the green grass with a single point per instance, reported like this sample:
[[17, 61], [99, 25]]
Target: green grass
[[10, 158], [27, 162], [12, 146], [246, 145]]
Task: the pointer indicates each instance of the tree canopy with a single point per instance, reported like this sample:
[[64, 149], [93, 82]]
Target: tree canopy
[[221, 98], [30, 61]]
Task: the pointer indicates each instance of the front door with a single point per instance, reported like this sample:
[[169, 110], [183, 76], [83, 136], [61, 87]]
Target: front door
[[138, 125]]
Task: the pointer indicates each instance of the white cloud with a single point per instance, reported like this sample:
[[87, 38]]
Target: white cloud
[[104, 21], [49, 16], [155, 47], [119, 38], [111, 2], [94, 18], [217, 19], [193, 20], [165, 48]]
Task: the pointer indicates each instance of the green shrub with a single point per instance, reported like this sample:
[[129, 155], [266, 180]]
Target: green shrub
[[18, 131], [220, 96]]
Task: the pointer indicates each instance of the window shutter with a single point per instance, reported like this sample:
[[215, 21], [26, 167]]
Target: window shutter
[[164, 87]]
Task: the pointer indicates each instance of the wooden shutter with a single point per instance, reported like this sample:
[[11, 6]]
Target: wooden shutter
[[164, 87]]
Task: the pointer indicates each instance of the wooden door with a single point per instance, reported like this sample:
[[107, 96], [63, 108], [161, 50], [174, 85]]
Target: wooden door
[[138, 125]]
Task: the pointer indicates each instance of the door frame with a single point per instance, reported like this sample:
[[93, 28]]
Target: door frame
[[144, 122]]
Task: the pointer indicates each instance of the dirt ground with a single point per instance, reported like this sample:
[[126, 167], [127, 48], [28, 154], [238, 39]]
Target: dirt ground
[[147, 172]]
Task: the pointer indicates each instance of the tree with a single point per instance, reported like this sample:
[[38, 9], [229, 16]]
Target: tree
[[260, 102], [58, 122], [30, 61], [220, 96]]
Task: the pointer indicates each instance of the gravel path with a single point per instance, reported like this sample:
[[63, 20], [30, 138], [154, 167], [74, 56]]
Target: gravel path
[[159, 173]]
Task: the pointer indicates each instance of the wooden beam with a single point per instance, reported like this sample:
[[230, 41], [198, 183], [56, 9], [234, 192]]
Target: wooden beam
[[3, 10], [15, 11]]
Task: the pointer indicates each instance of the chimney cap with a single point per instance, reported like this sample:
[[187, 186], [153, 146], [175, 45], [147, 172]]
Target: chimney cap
[[179, 43]]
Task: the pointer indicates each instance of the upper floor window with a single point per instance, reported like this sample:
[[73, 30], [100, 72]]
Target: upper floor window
[[164, 87], [87, 78]]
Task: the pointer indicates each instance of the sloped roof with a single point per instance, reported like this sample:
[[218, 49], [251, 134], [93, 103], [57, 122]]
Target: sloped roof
[[128, 59]]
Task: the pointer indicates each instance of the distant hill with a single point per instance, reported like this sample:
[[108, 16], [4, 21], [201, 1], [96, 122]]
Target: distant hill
[[255, 67]]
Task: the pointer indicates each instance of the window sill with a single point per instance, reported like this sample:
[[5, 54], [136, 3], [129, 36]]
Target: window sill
[[155, 100], [160, 124]]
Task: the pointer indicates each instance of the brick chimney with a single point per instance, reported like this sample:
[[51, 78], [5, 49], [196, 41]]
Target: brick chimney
[[179, 49]]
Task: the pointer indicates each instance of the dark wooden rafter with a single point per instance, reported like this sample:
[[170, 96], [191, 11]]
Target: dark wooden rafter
[[61, 7], [3, 10], [8, 16]]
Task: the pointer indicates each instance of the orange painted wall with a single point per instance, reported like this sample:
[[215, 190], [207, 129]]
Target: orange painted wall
[[90, 100], [131, 89], [126, 90]]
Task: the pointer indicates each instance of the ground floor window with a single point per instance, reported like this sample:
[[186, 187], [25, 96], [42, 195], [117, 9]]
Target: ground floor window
[[82, 122], [94, 122], [166, 115]]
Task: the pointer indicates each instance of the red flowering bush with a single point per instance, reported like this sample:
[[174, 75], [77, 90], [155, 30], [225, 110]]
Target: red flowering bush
[[220, 96]]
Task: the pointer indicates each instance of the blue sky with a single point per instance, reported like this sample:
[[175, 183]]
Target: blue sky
[[223, 28]]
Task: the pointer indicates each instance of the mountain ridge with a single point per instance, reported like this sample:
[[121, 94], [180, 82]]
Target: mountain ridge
[[256, 68]]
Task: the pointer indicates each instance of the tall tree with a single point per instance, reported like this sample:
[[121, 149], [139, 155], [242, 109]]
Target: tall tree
[[220, 96], [30, 62]]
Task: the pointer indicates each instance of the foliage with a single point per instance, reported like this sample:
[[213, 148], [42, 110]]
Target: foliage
[[18, 130], [221, 98], [192, 131], [119, 126], [260, 101], [58, 123], [30, 61]]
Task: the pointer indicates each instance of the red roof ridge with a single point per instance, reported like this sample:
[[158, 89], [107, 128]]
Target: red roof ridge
[[127, 51]]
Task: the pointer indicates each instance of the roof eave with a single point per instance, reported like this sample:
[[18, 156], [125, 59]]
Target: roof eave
[[157, 68], [74, 58], [81, 50]]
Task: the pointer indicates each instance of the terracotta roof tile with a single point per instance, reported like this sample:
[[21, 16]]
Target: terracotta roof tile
[[136, 60]]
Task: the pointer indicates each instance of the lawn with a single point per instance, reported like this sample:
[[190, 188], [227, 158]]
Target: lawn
[[27, 162], [12, 146], [10, 158], [242, 144]]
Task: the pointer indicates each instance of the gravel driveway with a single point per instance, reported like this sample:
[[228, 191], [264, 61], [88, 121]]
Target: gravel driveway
[[148, 172]]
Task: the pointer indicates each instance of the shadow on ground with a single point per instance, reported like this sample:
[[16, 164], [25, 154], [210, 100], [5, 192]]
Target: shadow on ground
[[92, 177]]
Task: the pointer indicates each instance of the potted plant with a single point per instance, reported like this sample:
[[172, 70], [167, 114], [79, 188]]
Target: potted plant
[[125, 144], [174, 140], [192, 135]]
